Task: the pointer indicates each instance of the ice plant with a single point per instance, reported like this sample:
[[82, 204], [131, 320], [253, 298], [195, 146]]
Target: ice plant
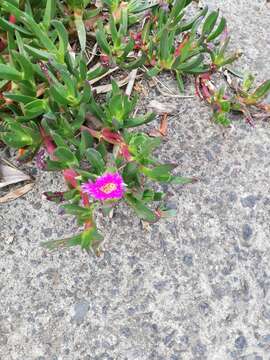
[[49, 73], [187, 57], [109, 186]]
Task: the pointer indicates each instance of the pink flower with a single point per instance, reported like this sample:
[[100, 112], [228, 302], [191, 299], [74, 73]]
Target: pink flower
[[107, 187]]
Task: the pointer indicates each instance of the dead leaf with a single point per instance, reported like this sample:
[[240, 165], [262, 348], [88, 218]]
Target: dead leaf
[[163, 128], [90, 24], [15, 194], [109, 72], [91, 53], [93, 122], [140, 88], [154, 133], [108, 87], [162, 108], [99, 4], [9, 174], [111, 213], [131, 81], [146, 226]]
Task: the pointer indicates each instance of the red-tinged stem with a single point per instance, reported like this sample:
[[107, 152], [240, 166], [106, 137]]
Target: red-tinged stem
[[263, 106], [70, 177], [112, 138], [201, 89], [48, 142], [158, 213], [85, 199], [205, 91], [125, 152], [197, 88], [69, 174], [249, 120], [94, 133], [3, 45], [117, 138], [50, 146], [178, 50]]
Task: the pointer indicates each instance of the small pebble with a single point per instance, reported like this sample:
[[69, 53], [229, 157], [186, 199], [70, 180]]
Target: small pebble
[[240, 342], [247, 232]]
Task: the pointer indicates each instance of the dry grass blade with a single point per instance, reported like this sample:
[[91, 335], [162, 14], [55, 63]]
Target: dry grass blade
[[91, 82], [132, 78], [162, 108], [9, 174], [91, 54], [157, 81], [170, 93], [102, 89], [15, 194], [165, 94]]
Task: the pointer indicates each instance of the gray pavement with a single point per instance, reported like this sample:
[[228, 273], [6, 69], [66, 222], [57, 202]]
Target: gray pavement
[[196, 287]]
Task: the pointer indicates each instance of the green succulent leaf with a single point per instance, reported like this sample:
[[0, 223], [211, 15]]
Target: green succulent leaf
[[86, 143], [140, 208], [55, 165], [180, 180], [63, 243], [80, 30], [154, 71], [129, 123], [89, 236], [49, 13], [8, 26], [159, 173], [17, 136], [96, 160], [19, 98], [62, 35], [102, 39], [66, 156], [210, 22], [151, 195], [77, 210], [220, 28], [131, 174], [262, 90], [8, 72]]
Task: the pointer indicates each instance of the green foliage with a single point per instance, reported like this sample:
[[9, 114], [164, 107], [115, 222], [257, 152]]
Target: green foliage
[[245, 100], [117, 44], [48, 99], [189, 53], [116, 112]]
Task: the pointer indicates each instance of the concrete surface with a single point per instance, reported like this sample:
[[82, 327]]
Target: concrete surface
[[192, 288]]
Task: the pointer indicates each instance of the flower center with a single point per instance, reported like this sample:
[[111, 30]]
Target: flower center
[[108, 188]]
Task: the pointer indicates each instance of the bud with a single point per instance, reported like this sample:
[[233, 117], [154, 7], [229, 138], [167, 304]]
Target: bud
[[105, 60], [12, 19]]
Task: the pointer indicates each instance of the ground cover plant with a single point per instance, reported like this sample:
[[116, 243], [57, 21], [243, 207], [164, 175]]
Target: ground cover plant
[[52, 55]]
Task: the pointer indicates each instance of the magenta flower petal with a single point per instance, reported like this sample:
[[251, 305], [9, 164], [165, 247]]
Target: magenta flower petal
[[107, 187]]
